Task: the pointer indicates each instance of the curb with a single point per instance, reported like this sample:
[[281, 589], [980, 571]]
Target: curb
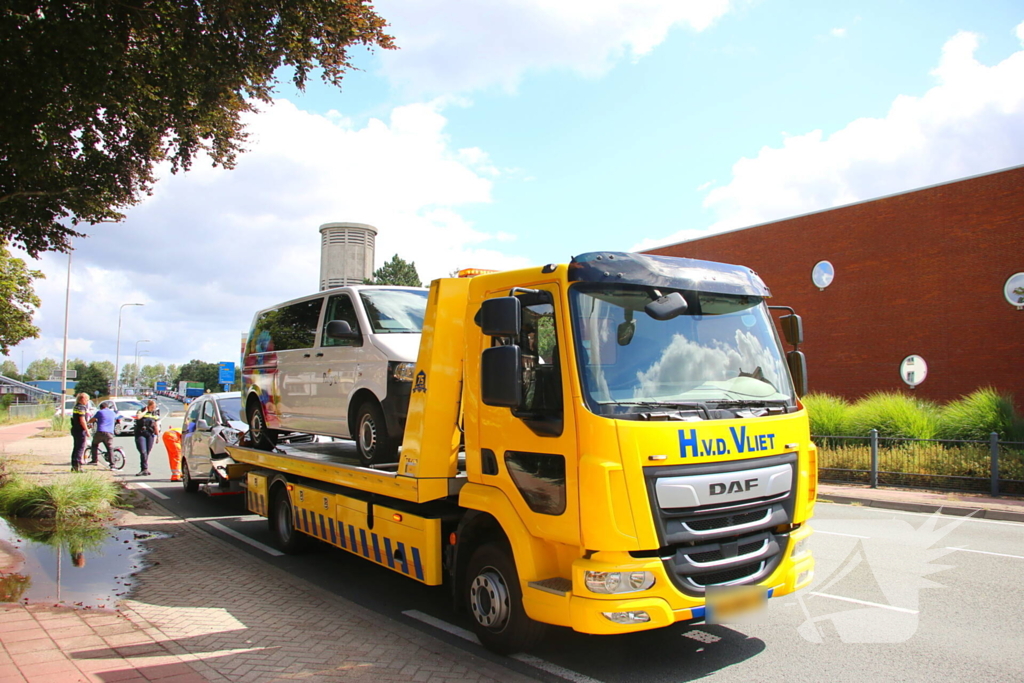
[[926, 508]]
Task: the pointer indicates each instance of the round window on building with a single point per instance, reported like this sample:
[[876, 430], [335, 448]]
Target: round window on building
[[822, 274], [1013, 290], [913, 370]]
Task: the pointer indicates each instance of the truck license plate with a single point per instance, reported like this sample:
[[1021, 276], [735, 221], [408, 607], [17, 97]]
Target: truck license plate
[[729, 604]]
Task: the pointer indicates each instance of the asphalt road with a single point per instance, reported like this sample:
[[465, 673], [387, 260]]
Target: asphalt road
[[896, 596]]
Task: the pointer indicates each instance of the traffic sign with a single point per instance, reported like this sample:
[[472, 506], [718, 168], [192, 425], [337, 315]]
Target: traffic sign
[[226, 371]]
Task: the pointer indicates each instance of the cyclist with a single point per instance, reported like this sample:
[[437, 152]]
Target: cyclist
[[104, 420]]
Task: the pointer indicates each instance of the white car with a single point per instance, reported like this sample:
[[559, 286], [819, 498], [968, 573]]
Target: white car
[[126, 407], [212, 422], [69, 405]]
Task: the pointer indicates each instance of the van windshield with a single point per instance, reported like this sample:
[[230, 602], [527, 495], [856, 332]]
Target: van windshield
[[394, 311]]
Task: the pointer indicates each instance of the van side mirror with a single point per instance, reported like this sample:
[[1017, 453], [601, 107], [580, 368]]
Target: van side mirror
[[501, 317], [792, 329], [797, 363], [501, 376], [340, 329]]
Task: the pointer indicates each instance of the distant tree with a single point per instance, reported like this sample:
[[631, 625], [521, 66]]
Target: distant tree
[[41, 368], [127, 375], [396, 272], [93, 381], [18, 300], [107, 368], [172, 373], [10, 369], [199, 371], [149, 375]]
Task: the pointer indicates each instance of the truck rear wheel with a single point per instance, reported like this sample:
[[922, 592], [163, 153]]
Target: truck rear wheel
[[289, 539], [261, 437], [495, 601], [373, 442]]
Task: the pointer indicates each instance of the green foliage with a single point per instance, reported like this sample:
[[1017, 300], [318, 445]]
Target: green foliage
[[18, 300], [66, 497], [10, 369], [92, 380], [827, 413], [60, 424], [199, 371], [96, 94], [980, 413], [893, 415], [41, 368], [396, 272]]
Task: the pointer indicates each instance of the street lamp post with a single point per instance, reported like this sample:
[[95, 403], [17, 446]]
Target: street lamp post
[[117, 356], [141, 341]]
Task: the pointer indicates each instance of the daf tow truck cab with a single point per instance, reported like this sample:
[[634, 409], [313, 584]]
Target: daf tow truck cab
[[611, 445]]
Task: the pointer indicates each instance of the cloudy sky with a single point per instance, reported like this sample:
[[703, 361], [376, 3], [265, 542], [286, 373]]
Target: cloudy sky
[[515, 132]]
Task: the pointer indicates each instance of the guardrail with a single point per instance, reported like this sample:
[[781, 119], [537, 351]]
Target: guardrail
[[989, 466]]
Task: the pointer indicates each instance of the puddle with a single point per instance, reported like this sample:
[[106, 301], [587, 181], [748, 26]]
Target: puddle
[[80, 567]]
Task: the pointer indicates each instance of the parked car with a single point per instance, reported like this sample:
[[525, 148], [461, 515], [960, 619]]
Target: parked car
[[69, 405], [212, 422], [338, 363], [126, 408]]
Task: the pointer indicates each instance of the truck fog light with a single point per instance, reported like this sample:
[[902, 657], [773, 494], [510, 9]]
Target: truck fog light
[[618, 582], [804, 576], [799, 548], [634, 617]]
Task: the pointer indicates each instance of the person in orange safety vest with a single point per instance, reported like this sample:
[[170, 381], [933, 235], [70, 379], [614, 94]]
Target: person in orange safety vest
[[172, 442]]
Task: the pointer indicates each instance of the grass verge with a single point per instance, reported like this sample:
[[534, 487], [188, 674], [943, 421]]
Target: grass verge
[[63, 498]]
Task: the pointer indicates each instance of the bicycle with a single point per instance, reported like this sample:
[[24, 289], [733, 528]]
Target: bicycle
[[113, 457]]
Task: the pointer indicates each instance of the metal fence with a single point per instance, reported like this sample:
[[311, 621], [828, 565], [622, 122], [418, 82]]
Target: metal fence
[[990, 466], [30, 410]]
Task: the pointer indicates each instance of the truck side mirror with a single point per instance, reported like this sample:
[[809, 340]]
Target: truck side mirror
[[798, 370], [501, 376], [340, 329], [792, 329], [501, 317], [666, 307]]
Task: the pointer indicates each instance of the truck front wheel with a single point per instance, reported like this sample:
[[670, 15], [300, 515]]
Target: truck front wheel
[[282, 528], [495, 601], [373, 442]]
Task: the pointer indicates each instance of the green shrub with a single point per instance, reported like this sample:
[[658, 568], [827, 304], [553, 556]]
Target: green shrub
[[980, 413], [893, 415], [827, 414], [65, 497], [60, 424]]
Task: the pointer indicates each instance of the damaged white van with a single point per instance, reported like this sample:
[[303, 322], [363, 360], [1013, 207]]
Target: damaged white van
[[338, 363]]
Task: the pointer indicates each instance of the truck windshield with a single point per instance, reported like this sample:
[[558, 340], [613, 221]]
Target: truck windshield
[[395, 310], [721, 352]]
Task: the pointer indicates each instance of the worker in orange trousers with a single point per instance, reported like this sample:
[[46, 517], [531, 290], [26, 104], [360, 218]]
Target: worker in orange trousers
[[172, 442]]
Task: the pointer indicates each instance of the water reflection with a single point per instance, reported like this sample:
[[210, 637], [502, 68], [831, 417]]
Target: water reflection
[[73, 564]]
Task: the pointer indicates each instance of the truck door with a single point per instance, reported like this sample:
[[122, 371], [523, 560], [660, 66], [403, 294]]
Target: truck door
[[530, 450]]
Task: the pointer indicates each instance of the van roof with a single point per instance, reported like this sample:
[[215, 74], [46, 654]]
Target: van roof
[[336, 290]]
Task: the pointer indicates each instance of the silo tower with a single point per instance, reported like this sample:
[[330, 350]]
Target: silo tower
[[346, 254]]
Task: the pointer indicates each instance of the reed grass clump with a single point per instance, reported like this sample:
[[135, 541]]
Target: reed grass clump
[[65, 497]]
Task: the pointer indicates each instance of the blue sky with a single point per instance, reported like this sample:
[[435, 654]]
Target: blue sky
[[516, 132]]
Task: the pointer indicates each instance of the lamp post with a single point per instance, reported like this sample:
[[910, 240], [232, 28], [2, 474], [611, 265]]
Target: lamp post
[[141, 341], [138, 365], [117, 356], [64, 361]]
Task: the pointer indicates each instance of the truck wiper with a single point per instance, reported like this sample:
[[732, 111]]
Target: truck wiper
[[767, 405], [675, 406]]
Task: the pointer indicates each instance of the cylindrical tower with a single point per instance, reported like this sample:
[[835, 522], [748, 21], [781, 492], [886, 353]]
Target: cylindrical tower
[[346, 254]]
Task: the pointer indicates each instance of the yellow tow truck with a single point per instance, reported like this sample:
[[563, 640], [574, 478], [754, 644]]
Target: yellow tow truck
[[612, 445]]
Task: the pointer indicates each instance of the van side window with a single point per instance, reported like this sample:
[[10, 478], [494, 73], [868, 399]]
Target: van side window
[[339, 307], [290, 327]]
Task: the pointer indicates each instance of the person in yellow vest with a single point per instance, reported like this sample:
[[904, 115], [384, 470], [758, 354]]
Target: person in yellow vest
[[147, 428], [172, 442]]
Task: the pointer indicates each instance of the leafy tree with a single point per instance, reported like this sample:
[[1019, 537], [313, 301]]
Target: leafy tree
[[17, 298], [396, 272], [93, 381], [96, 94], [106, 368], [199, 371], [149, 375], [41, 368], [127, 375], [10, 369], [172, 373]]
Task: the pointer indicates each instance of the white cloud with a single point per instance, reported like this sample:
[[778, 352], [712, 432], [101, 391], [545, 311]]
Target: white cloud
[[448, 46], [970, 122], [211, 247], [838, 32]]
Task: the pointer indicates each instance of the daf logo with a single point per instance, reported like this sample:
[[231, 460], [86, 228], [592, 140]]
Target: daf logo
[[732, 487]]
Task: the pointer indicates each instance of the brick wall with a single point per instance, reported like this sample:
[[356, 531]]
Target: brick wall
[[917, 273]]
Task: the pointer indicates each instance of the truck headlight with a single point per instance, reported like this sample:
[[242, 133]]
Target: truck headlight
[[618, 582], [799, 548], [402, 371]]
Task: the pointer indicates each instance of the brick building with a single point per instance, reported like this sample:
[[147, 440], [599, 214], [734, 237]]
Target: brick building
[[921, 272]]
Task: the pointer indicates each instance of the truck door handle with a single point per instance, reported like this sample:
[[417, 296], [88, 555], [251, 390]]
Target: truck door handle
[[319, 355]]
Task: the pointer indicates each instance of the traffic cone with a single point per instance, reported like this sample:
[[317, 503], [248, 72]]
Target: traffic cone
[[172, 442]]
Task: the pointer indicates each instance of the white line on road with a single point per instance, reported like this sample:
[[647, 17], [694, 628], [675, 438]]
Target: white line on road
[[836, 533], [865, 602], [985, 552], [886, 511], [560, 671], [156, 492], [237, 518], [245, 539], [544, 665]]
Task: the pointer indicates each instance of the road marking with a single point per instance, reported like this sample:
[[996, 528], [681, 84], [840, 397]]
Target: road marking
[[560, 671], [239, 518], [155, 492], [544, 665], [865, 602], [985, 552], [443, 625], [886, 511], [836, 533], [245, 539]]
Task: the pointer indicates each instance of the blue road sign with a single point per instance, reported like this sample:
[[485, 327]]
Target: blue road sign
[[227, 372]]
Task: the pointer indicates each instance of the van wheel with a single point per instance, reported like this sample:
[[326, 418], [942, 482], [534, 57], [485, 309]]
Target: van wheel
[[261, 437], [187, 482], [495, 601], [373, 442], [282, 528]]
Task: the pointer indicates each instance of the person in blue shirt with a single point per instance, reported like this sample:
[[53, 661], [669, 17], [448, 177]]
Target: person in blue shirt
[[79, 431], [104, 420]]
